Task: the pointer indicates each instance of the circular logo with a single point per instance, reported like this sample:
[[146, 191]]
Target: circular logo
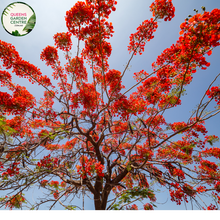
[[18, 19]]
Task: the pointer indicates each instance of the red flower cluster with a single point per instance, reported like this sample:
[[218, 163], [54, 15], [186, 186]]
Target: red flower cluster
[[133, 207], [211, 209], [43, 183], [86, 168], [215, 151], [103, 7], [69, 144], [1, 166], [19, 102], [22, 99], [24, 69], [209, 168], [50, 55], [78, 16], [144, 33], [176, 172], [54, 184], [163, 9], [15, 201], [6, 101], [63, 41], [87, 96], [176, 64], [82, 22], [180, 194], [200, 189], [148, 206], [14, 152], [8, 54], [21, 68], [203, 30], [206, 26], [214, 92], [56, 194], [176, 126], [77, 69], [43, 133], [12, 170], [96, 51], [63, 184], [5, 79], [99, 169], [89, 166], [47, 162], [113, 80], [140, 75]]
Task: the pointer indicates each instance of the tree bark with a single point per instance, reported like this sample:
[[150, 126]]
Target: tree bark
[[97, 195], [98, 203], [100, 200]]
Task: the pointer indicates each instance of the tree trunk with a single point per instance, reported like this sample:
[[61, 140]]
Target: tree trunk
[[100, 201], [98, 205]]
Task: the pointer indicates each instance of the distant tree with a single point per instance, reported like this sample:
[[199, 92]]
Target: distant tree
[[103, 141]]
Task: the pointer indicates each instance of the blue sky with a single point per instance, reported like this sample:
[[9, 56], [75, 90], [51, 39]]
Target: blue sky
[[128, 15]]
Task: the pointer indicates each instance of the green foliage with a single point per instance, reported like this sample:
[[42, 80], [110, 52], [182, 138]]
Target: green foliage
[[52, 136], [212, 140], [132, 194], [129, 167], [70, 207], [188, 149], [16, 33], [8, 8], [30, 24], [4, 128]]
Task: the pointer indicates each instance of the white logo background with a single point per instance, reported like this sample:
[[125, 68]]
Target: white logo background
[[9, 20]]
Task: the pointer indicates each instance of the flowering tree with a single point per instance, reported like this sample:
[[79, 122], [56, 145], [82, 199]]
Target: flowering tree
[[107, 140]]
